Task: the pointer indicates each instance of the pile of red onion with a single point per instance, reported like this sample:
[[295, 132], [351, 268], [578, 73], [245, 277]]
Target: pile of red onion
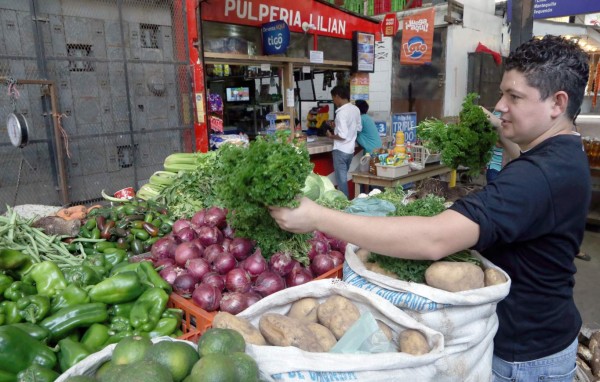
[[203, 260]]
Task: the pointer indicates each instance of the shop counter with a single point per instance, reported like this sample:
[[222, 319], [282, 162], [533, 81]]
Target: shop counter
[[368, 179]]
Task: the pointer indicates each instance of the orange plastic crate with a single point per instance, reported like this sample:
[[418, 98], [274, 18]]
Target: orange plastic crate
[[196, 320]]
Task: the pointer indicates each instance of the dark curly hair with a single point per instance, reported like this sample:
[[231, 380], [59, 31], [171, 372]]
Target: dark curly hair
[[552, 64]]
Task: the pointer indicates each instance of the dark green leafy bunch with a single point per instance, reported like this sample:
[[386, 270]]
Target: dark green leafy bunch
[[467, 143], [430, 205], [193, 190], [270, 172]]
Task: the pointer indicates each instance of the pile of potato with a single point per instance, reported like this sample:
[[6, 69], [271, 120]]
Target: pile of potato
[[315, 327], [588, 354]]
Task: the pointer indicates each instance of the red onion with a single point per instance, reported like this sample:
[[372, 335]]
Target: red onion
[[318, 247], [184, 284], [337, 257], [164, 247], [146, 256], [252, 297], [224, 263], [281, 263], [197, 243], [198, 267], [186, 234], [255, 264], [209, 235], [298, 276], [207, 297], [170, 273], [215, 217], [238, 280], [268, 283], [162, 263], [233, 302], [241, 248], [321, 264], [180, 224], [228, 231], [198, 218], [226, 242], [212, 252], [215, 279], [184, 252]]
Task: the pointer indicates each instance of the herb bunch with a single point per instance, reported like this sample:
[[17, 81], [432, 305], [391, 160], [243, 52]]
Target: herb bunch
[[270, 172], [467, 143]]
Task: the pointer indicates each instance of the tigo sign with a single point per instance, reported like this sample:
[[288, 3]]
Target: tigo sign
[[276, 37], [417, 38]]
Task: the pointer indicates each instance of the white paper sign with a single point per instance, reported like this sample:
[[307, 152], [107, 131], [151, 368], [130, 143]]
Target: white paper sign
[[316, 56], [289, 95], [265, 67], [306, 69]]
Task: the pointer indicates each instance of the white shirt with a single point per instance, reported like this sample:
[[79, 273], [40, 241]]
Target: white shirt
[[347, 125]]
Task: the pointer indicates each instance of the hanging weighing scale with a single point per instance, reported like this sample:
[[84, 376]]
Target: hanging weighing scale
[[18, 130]]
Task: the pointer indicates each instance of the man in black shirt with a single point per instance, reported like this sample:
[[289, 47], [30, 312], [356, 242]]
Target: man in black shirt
[[530, 221]]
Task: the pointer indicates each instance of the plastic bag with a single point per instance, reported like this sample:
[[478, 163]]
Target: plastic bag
[[370, 207], [364, 336]]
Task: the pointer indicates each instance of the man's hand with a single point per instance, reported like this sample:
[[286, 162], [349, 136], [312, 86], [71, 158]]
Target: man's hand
[[297, 220]]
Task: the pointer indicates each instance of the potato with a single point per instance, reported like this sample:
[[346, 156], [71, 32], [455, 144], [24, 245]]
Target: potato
[[595, 362], [324, 335], [363, 255], [454, 276], [226, 320], [594, 341], [337, 314], [413, 342], [374, 267], [280, 330], [493, 277], [305, 310], [385, 329]]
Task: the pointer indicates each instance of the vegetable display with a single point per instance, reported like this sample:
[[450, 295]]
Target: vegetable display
[[467, 143]]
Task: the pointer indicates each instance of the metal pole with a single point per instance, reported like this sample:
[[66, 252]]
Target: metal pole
[[521, 26]]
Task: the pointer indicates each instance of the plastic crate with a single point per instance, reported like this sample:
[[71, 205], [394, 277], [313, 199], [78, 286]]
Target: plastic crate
[[422, 155], [391, 171], [194, 319], [335, 273]]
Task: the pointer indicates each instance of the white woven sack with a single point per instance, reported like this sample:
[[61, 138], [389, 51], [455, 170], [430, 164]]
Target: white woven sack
[[291, 364], [89, 365], [467, 319]]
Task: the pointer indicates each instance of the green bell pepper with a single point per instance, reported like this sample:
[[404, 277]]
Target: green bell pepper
[[97, 262], [121, 310], [61, 323], [9, 313], [12, 259], [164, 327], [118, 336], [37, 373], [70, 296], [5, 376], [122, 287], [148, 309], [114, 256], [34, 308], [19, 289], [95, 337], [49, 279], [102, 245], [82, 275], [173, 312], [153, 277], [35, 331], [5, 282], [120, 324], [18, 351], [70, 353]]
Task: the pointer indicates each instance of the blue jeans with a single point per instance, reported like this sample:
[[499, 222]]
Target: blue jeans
[[341, 164], [559, 367]]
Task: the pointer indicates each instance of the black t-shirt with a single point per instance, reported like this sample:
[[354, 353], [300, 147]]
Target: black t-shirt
[[532, 220]]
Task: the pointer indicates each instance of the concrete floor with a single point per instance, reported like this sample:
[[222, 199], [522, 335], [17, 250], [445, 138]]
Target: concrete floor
[[587, 279]]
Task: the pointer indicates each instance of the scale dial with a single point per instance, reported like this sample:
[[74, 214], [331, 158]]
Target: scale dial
[[18, 130]]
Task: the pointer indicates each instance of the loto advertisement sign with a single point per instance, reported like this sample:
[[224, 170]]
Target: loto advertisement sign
[[417, 38], [276, 37], [316, 17], [389, 25]]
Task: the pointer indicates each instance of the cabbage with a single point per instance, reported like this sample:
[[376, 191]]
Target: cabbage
[[312, 186], [333, 195]]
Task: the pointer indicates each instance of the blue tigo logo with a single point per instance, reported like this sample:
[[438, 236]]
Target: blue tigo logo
[[415, 48], [275, 37]]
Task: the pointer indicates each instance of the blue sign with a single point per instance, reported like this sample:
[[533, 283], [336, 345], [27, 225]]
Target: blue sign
[[381, 127], [407, 123], [275, 37], [543, 9]]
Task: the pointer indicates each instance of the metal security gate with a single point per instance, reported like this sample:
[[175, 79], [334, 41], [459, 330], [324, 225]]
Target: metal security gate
[[121, 74]]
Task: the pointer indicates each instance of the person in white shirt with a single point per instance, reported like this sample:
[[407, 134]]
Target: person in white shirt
[[347, 126]]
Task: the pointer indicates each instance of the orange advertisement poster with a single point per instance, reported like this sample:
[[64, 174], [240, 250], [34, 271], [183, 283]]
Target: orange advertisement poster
[[417, 38]]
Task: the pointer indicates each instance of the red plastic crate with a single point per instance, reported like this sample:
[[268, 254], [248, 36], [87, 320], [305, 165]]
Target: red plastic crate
[[335, 273], [381, 6]]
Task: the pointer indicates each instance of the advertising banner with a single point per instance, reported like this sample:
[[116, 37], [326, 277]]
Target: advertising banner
[[543, 9], [276, 37], [417, 38], [359, 86], [407, 123], [389, 25], [327, 20]]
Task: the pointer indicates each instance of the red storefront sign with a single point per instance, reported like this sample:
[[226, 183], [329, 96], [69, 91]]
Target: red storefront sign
[[389, 24], [417, 38], [319, 18]]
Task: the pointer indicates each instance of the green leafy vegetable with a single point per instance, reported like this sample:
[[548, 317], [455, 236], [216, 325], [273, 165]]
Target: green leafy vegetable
[[467, 143], [270, 172]]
